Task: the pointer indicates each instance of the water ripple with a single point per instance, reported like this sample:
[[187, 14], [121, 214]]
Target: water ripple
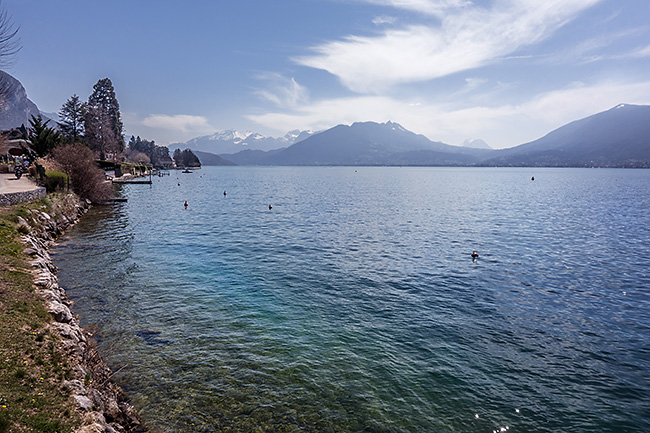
[[353, 305]]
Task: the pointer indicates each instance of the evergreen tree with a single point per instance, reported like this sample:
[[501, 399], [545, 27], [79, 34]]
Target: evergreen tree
[[177, 158], [42, 137], [186, 158], [103, 122], [72, 114], [158, 155]]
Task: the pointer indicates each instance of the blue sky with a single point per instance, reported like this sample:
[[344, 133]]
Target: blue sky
[[505, 71]]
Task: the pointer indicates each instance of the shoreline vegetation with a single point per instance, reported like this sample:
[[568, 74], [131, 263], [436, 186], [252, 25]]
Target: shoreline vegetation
[[52, 378]]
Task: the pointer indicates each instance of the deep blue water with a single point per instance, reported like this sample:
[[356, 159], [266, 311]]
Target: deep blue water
[[354, 305]]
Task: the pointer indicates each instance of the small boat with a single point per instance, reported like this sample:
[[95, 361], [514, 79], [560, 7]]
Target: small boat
[[186, 171]]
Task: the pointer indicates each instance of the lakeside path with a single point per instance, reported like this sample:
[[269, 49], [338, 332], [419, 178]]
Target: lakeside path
[[9, 184], [13, 191]]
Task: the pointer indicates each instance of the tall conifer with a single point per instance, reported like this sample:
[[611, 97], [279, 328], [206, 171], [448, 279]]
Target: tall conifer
[[104, 129], [72, 116]]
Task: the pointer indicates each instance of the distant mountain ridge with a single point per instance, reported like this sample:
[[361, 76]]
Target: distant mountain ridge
[[476, 144], [233, 141], [363, 143], [211, 159], [619, 137]]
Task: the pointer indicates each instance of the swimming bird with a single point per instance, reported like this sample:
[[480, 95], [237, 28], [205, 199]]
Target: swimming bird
[[270, 207], [474, 255]]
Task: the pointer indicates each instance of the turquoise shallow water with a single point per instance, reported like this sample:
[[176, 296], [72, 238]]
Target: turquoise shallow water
[[354, 305]]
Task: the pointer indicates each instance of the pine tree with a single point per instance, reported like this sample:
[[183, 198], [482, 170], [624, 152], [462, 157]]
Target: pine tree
[[186, 158], [43, 138], [103, 122], [72, 114]]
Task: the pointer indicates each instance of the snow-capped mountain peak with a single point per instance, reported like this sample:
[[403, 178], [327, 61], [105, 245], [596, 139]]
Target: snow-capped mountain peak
[[233, 141]]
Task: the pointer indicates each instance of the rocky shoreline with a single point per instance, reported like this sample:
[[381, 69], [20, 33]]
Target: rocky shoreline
[[103, 403]]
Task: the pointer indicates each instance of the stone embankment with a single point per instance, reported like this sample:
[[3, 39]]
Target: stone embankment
[[14, 190], [9, 198], [103, 403]]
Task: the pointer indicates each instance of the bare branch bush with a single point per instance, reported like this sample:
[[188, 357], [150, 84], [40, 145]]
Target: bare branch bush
[[88, 180]]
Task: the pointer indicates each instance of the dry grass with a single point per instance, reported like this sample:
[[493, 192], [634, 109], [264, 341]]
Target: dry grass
[[33, 364]]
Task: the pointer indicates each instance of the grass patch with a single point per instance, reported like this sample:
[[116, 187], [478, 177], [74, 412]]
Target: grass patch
[[32, 362]]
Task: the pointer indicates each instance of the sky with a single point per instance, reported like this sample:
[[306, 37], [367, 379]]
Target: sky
[[504, 71]]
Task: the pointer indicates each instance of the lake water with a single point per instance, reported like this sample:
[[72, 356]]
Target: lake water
[[353, 305]]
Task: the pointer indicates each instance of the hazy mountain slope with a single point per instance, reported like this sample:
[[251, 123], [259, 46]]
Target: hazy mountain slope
[[17, 109], [370, 143], [211, 159], [617, 137]]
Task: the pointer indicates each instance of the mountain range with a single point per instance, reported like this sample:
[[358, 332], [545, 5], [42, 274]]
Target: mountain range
[[619, 137], [232, 141]]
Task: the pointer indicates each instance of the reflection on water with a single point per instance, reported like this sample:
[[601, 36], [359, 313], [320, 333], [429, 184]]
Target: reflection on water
[[354, 304]]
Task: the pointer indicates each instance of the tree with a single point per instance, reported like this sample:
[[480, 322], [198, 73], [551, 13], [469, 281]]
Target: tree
[[186, 158], [158, 155], [9, 46], [103, 122], [42, 137], [72, 114]]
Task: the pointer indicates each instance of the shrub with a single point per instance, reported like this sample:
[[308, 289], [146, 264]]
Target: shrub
[[87, 180], [55, 181]]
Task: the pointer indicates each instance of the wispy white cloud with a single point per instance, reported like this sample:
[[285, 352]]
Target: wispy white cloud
[[180, 122], [601, 47], [383, 20], [428, 7], [464, 38], [640, 53], [282, 91], [503, 125]]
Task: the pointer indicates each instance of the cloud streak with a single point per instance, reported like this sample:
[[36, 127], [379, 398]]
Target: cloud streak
[[427, 7], [281, 91], [180, 122], [464, 38]]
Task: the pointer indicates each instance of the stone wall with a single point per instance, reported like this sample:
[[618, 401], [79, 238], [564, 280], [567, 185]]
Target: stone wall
[[103, 403], [10, 198]]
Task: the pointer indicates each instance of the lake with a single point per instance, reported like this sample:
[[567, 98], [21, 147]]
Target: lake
[[354, 305]]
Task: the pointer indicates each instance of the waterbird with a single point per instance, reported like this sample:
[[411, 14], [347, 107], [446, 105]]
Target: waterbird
[[270, 207], [474, 255]]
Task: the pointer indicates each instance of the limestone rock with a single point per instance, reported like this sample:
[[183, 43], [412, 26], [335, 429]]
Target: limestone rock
[[84, 402], [76, 386], [60, 312]]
